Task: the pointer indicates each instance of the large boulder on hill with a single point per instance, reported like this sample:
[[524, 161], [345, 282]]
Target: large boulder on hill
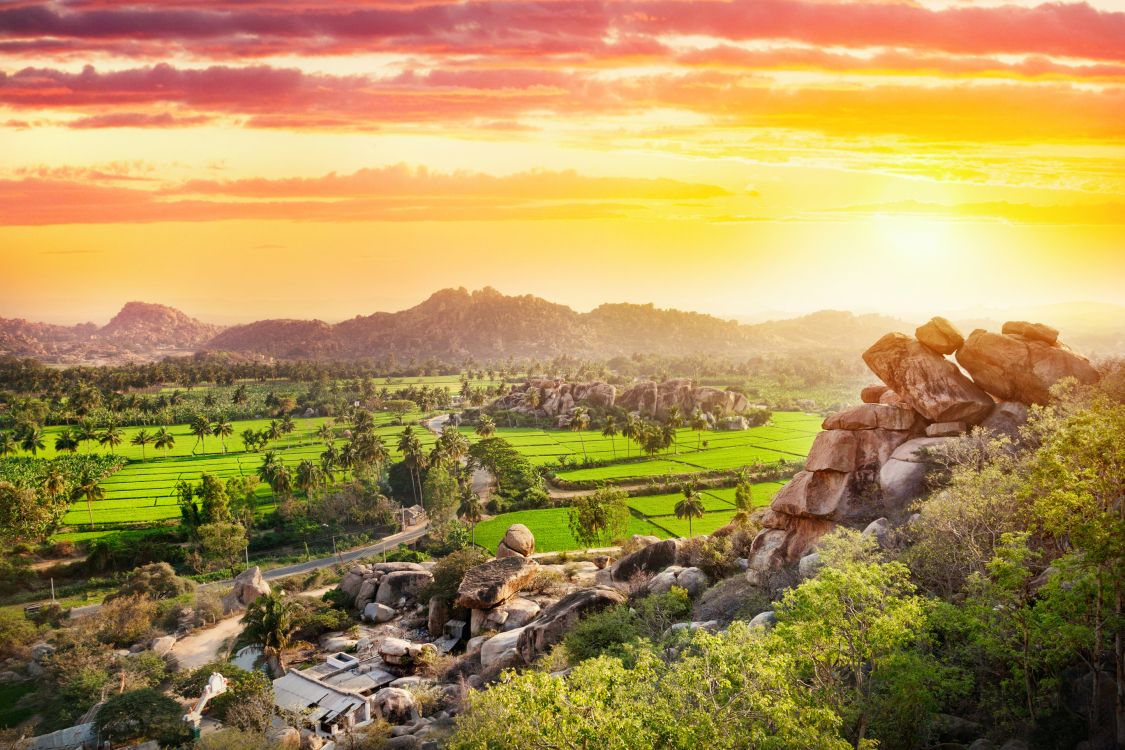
[[494, 582], [833, 450], [940, 336], [402, 585], [500, 650], [554, 622], [816, 494], [647, 560], [872, 393], [706, 399], [1016, 368], [394, 705], [872, 416], [1006, 418], [785, 539], [1033, 331], [247, 586], [599, 394], [517, 541], [929, 383], [902, 478]]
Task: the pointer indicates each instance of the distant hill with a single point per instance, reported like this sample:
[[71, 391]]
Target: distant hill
[[485, 324], [456, 324]]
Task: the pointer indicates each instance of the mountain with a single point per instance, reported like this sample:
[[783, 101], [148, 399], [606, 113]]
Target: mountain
[[141, 331], [456, 324]]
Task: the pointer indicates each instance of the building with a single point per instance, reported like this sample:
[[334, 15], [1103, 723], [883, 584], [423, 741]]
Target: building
[[332, 697]]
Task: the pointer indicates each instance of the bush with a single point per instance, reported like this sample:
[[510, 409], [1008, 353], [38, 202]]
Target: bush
[[248, 703], [142, 714], [16, 634], [127, 620], [604, 632], [156, 581], [658, 612], [190, 685], [714, 555]]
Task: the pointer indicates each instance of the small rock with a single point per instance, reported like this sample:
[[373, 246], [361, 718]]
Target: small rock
[[765, 619], [161, 646], [394, 705], [939, 335], [946, 429], [375, 612], [809, 565]]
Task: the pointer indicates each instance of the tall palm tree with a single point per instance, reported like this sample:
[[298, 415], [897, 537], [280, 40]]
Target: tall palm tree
[[86, 432], [325, 433], [486, 427], [32, 440], [201, 428], [8, 445], [273, 432], [112, 436], [89, 489], [310, 478], [412, 456], [287, 427], [471, 511], [54, 484], [674, 419], [66, 442], [699, 424], [164, 440], [270, 622], [689, 507], [282, 482], [579, 422], [143, 438], [223, 429], [610, 431], [629, 431]]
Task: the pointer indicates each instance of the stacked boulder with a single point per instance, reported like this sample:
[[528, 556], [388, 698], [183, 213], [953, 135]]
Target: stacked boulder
[[518, 541], [557, 398], [246, 587], [378, 589], [868, 462], [489, 591]]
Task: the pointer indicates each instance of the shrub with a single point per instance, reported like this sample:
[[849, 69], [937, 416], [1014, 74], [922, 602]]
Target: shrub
[[142, 714], [248, 703], [604, 632], [16, 634], [658, 612], [235, 739], [450, 570], [127, 620], [714, 555], [547, 583], [156, 581], [191, 684]]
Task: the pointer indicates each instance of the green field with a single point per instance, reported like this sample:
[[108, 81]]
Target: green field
[[550, 527]]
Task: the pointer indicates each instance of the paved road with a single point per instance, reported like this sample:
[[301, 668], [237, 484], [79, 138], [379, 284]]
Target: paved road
[[387, 543]]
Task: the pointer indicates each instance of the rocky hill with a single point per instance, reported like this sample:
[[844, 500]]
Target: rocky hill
[[141, 325]]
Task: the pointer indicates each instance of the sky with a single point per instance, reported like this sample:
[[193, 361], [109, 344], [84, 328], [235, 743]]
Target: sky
[[244, 159]]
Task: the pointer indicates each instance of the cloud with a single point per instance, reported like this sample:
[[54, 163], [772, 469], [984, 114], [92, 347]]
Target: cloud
[[137, 120], [1017, 213]]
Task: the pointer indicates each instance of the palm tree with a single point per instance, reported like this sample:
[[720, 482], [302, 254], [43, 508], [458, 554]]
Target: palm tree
[[8, 445], [629, 431], [239, 395], [273, 432], [287, 427], [471, 511], [699, 424], [325, 433], [54, 484], [486, 427], [112, 436], [579, 422], [690, 507], [412, 456], [674, 420], [32, 440], [610, 431], [143, 438], [249, 439], [201, 428], [223, 429], [270, 622], [86, 432], [89, 489], [66, 441], [310, 478], [164, 440], [267, 470]]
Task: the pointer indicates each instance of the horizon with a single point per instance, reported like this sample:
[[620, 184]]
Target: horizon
[[332, 159]]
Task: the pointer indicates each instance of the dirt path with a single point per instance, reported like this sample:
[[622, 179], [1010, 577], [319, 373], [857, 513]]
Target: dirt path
[[206, 645]]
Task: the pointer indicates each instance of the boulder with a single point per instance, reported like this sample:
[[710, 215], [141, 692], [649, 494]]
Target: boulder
[[809, 565], [1016, 368], [351, 583], [1033, 331], [474, 644], [162, 645], [284, 737], [692, 580], [872, 416], [940, 336], [517, 613], [929, 383], [784, 540], [494, 582], [248, 586], [872, 393], [402, 584], [1007, 417], [519, 539], [911, 450], [765, 619], [650, 559], [820, 494], [375, 612], [947, 429], [367, 592], [880, 529], [554, 622], [901, 482], [833, 450], [394, 705], [501, 649], [874, 447], [437, 616]]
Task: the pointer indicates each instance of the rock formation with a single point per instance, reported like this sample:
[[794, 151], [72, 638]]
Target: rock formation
[[869, 463], [518, 541], [247, 587], [389, 584]]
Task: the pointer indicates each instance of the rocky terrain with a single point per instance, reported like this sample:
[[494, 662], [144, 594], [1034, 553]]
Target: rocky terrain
[[869, 463], [140, 331]]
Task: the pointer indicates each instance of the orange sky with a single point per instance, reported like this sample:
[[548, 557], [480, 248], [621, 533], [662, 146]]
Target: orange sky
[[313, 159]]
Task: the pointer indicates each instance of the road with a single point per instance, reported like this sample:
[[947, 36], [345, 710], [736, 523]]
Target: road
[[482, 478], [387, 543]]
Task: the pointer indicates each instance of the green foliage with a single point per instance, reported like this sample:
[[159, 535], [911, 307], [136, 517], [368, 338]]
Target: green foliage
[[223, 543], [248, 702], [16, 633], [450, 570], [606, 632], [156, 581], [142, 714], [599, 518]]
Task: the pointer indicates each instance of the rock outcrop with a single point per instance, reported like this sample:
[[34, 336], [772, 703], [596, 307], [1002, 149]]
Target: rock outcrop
[[554, 622], [556, 398], [493, 583], [247, 586], [1017, 367], [869, 463], [650, 559], [390, 584], [518, 541]]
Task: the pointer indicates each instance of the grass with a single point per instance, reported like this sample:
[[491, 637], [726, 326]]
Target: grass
[[551, 529], [10, 693]]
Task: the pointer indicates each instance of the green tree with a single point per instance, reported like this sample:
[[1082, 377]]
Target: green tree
[[599, 518], [66, 442], [88, 488], [214, 500], [164, 440], [270, 622], [111, 436], [27, 517], [223, 429], [486, 427], [142, 438], [142, 714], [32, 440], [580, 422], [690, 506], [8, 444], [674, 420], [440, 493], [310, 478], [699, 424], [201, 428], [223, 542], [610, 431], [471, 510]]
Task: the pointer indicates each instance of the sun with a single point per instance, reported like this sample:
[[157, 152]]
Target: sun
[[921, 238]]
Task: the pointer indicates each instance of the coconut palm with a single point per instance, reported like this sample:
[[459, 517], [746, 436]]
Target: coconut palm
[[486, 427], [579, 422], [325, 433], [674, 420], [610, 431], [54, 484], [8, 445], [689, 507], [164, 440], [223, 429], [287, 427], [630, 431], [32, 440], [268, 468], [699, 424], [471, 511], [111, 436], [273, 432], [413, 456], [66, 442], [86, 432], [310, 478], [89, 490], [143, 438], [201, 428], [270, 622]]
